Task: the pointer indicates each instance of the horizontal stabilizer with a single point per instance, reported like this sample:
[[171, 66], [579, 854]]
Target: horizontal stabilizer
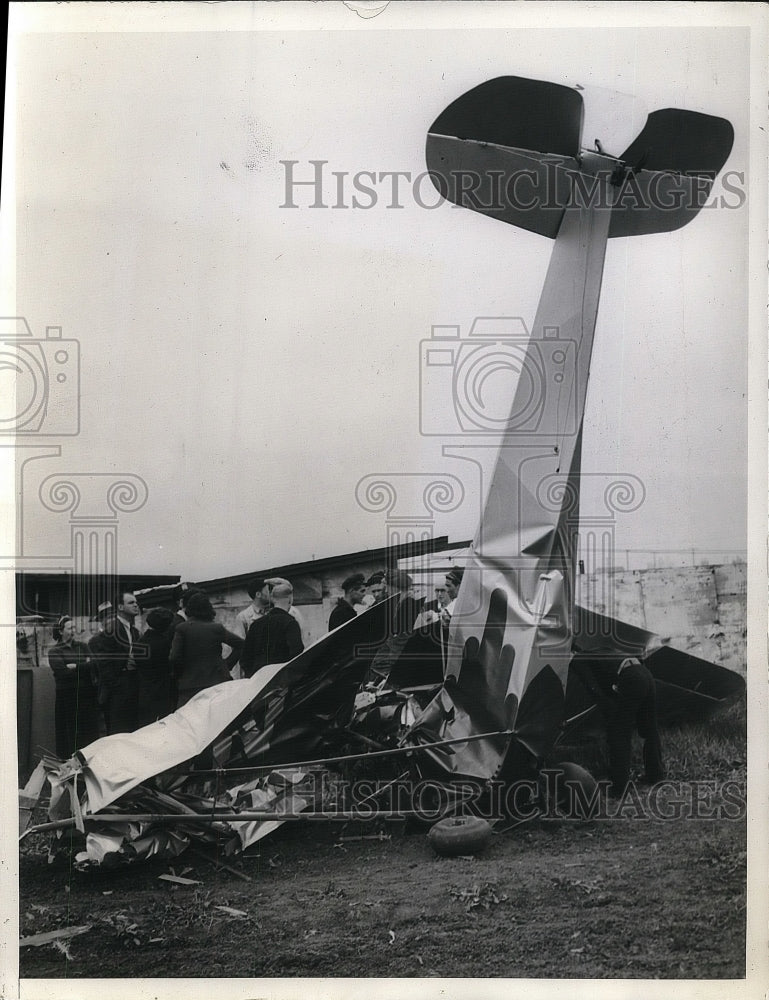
[[521, 188], [681, 142], [511, 149], [513, 111]]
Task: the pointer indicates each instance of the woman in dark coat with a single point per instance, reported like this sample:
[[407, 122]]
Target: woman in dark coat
[[76, 713], [196, 650], [156, 697]]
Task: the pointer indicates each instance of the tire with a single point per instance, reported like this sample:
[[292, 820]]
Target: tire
[[459, 835], [558, 795]]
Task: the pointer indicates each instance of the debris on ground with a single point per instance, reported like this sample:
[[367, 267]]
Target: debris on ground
[[50, 937], [479, 896]]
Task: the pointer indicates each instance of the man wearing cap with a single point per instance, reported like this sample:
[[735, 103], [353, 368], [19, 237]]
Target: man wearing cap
[[400, 584], [354, 588], [402, 619], [260, 605], [625, 692]]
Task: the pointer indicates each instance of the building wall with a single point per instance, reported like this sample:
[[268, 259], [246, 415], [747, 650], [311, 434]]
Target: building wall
[[701, 610], [315, 596]]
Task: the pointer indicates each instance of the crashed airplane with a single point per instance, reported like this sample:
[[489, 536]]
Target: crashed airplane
[[490, 698]]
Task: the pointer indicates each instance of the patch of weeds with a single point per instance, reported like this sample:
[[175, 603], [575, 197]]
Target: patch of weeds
[[582, 885], [716, 748], [63, 948], [591, 888], [479, 896], [724, 861], [126, 929]]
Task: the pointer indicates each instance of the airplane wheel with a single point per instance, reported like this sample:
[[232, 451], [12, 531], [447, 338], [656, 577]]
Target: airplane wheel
[[459, 835], [556, 786]]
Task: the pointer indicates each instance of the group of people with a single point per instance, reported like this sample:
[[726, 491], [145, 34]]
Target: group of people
[[122, 679], [126, 679], [133, 679], [360, 593]]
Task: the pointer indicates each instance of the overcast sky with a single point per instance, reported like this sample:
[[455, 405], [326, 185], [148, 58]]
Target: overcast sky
[[253, 362]]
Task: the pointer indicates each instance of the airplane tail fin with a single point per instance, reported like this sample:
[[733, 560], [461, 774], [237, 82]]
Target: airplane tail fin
[[512, 149]]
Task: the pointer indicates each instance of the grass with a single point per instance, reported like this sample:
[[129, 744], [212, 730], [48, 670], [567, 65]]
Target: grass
[[707, 750], [713, 749]]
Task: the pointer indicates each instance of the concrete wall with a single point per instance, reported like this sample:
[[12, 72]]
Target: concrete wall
[[699, 609]]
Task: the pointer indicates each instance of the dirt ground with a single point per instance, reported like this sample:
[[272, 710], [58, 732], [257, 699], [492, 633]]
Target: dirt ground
[[616, 898]]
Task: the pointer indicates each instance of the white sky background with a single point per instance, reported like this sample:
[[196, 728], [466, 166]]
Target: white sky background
[[253, 362]]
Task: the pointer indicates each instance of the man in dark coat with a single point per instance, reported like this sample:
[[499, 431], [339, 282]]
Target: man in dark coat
[[354, 588], [156, 690], [275, 637], [116, 651], [403, 616], [625, 693]]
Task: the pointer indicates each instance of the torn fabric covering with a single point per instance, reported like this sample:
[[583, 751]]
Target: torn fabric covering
[[291, 706], [283, 711], [116, 764], [119, 842], [30, 795]]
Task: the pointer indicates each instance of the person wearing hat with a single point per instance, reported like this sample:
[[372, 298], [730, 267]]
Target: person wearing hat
[[103, 614], [400, 584], [401, 623], [625, 692], [184, 592], [157, 695], [354, 588], [76, 713]]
